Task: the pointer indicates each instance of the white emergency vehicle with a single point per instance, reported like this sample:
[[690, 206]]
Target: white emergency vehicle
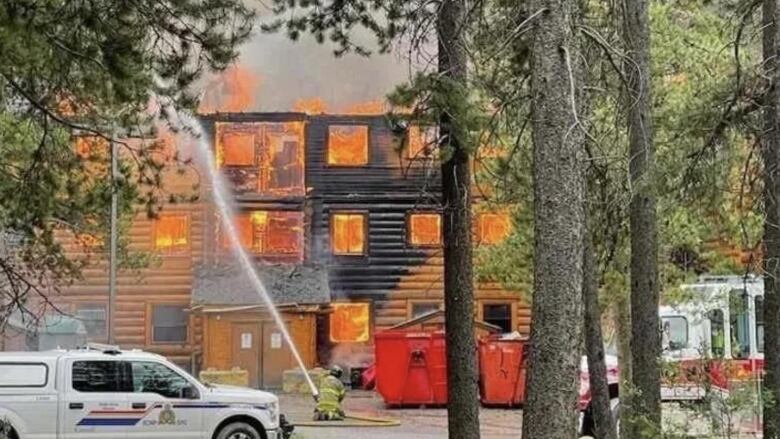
[[721, 319], [102, 392]]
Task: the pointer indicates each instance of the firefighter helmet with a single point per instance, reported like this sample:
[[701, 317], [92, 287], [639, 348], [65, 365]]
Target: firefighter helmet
[[336, 371]]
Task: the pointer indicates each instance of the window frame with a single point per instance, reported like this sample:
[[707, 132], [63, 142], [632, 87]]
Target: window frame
[[478, 241], [27, 363], [664, 319], [150, 324], [411, 304], [370, 323], [409, 233], [131, 378], [512, 311], [331, 232], [300, 217], [328, 146], [104, 305], [420, 132], [122, 385], [172, 250], [224, 164]]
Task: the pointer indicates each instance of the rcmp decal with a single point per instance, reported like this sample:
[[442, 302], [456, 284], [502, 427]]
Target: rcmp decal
[[130, 418]]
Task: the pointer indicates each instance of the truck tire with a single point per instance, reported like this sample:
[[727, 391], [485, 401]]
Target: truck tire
[[239, 430]]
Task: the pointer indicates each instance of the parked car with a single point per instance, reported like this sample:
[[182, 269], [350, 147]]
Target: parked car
[[101, 391]]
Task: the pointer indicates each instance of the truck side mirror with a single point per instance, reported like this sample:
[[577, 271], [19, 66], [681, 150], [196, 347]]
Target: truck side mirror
[[189, 392]]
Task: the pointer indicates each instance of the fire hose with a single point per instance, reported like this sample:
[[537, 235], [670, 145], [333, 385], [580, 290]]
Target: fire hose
[[353, 421]]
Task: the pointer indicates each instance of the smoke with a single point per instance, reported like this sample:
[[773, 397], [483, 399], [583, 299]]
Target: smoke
[[303, 70]]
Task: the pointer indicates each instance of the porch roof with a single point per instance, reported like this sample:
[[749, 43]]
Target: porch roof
[[228, 284]]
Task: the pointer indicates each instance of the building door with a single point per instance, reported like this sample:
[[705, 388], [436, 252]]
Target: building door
[[246, 350], [276, 356]]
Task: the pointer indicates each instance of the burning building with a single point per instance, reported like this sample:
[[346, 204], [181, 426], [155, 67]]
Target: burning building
[[342, 215]]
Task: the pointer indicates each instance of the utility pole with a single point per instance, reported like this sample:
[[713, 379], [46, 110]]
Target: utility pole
[[113, 244]]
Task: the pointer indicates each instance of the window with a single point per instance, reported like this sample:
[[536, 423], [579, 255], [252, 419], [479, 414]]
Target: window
[[171, 233], [169, 324], [93, 316], [348, 233], [266, 158], [498, 314], [717, 333], [423, 308], [349, 322], [23, 375], [98, 376], [738, 311], [759, 302], [675, 333], [238, 149], [347, 145], [425, 229], [492, 228], [421, 141], [270, 233], [150, 377]]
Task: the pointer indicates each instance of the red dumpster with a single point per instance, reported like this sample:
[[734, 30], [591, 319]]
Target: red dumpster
[[501, 371], [411, 368]]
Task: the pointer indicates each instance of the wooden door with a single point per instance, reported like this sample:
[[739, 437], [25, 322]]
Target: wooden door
[[246, 350], [276, 356]]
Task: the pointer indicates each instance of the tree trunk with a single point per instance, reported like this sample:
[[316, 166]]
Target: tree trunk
[[463, 400], [645, 332], [600, 407], [771, 155], [556, 328]]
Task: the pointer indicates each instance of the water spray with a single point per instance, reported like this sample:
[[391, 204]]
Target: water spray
[[226, 214]]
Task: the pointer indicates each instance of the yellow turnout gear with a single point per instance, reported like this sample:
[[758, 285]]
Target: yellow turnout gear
[[332, 392]]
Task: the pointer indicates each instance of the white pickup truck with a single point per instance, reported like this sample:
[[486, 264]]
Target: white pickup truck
[[99, 393]]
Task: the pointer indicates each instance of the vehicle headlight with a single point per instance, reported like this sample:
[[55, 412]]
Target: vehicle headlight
[[273, 410]]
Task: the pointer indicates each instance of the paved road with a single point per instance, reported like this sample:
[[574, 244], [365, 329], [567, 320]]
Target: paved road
[[417, 423]]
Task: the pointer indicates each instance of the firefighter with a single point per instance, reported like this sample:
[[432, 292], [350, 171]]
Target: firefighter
[[332, 392]]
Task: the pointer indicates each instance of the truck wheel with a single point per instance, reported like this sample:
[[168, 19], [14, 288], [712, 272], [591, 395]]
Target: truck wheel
[[239, 430]]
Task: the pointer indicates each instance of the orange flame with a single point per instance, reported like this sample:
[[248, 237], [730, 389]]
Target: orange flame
[[350, 322], [368, 108], [311, 106], [232, 91]]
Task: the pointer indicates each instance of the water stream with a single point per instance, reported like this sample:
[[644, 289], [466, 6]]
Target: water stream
[[221, 197]]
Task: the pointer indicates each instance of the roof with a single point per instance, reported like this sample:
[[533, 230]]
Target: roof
[[287, 284], [438, 317], [79, 353]]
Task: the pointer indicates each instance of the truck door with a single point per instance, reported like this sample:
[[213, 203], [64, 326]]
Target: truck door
[[93, 405], [171, 402]]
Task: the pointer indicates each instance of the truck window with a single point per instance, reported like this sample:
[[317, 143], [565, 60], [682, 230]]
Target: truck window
[[150, 377], [23, 375], [675, 333], [98, 376], [717, 333], [740, 336]]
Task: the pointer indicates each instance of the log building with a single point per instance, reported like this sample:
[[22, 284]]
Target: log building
[[341, 213]]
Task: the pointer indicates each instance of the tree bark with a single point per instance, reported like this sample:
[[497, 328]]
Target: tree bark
[[771, 155], [594, 346], [556, 334], [463, 400], [645, 332]]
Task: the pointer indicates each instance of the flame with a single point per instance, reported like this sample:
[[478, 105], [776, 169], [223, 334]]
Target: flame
[[231, 91], [422, 141], [425, 229], [171, 232], [493, 227], [311, 106], [350, 322], [268, 233], [348, 233], [347, 145], [368, 108]]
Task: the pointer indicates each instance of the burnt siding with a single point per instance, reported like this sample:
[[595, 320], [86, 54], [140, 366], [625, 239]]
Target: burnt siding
[[387, 173]]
